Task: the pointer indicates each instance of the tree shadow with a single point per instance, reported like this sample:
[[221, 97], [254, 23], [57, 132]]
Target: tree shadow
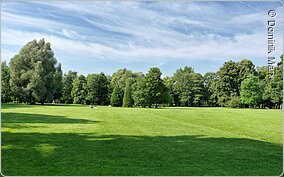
[[19, 105], [8, 117], [14, 106], [71, 154]]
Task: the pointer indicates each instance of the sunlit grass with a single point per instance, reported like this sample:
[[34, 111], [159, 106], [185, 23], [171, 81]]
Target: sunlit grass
[[77, 140]]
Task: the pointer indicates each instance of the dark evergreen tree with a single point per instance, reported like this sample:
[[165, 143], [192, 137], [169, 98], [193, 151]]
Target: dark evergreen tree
[[116, 99], [5, 83], [127, 98]]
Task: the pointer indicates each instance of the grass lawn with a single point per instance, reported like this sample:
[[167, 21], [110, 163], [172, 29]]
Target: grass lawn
[[77, 140]]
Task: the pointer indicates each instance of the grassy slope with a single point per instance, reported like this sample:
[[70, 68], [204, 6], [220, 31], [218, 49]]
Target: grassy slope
[[76, 140]]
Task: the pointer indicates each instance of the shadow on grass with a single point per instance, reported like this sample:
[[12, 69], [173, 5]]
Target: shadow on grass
[[18, 105], [41, 118], [90, 154], [14, 106]]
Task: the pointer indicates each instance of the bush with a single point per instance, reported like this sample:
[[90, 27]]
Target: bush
[[234, 102]]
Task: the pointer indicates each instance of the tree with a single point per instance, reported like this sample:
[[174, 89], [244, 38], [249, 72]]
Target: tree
[[116, 97], [182, 85], [246, 68], [79, 90], [226, 85], [37, 86], [197, 89], [33, 71], [58, 83], [119, 79], [273, 92], [209, 78], [154, 87], [5, 83], [173, 97], [139, 93], [97, 89], [262, 72], [127, 98], [251, 90], [68, 80]]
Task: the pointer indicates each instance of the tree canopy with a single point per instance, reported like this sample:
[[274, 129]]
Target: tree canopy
[[34, 76], [35, 73]]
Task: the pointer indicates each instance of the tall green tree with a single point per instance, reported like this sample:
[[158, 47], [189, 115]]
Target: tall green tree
[[127, 98], [33, 71], [154, 87], [209, 99], [246, 68], [116, 95], [5, 83], [183, 85], [273, 92], [262, 72], [119, 79], [58, 83], [79, 90], [37, 86], [251, 91], [139, 92], [197, 89], [227, 83], [68, 80], [97, 89], [173, 97]]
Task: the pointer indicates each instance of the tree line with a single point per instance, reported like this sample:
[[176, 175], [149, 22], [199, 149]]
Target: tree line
[[35, 76]]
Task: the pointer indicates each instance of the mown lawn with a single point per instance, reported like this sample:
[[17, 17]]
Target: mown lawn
[[76, 140]]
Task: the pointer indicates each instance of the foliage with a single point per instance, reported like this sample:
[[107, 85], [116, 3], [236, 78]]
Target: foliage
[[34, 76], [251, 90], [58, 84], [274, 90], [5, 83], [197, 89], [97, 89], [209, 79], [34, 73], [234, 102], [155, 88], [68, 80], [79, 90], [116, 95], [139, 94], [183, 86], [127, 97], [118, 80]]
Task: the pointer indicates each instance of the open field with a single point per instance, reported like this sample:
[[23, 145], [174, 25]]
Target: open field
[[77, 140]]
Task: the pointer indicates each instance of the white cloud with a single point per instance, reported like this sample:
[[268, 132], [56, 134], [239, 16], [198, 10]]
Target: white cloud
[[72, 34], [38, 23], [147, 35], [250, 45], [249, 18]]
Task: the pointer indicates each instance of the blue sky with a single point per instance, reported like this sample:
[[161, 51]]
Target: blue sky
[[104, 36]]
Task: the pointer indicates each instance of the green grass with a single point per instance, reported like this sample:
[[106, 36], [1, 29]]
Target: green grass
[[77, 140]]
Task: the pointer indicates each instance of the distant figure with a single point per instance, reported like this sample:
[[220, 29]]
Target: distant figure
[[91, 106]]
